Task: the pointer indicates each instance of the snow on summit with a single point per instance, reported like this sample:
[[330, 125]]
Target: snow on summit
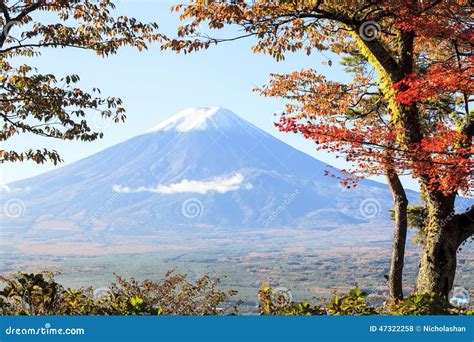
[[197, 119]]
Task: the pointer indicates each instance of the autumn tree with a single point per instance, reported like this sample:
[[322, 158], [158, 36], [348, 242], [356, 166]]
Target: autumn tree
[[42, 104], [373, 111], [405, 112]]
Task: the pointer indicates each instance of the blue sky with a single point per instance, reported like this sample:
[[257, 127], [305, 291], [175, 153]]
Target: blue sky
[[154, 85]]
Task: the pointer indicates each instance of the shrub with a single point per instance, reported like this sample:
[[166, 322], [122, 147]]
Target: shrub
[[354, 303], [275, 302], [427, 304], [30, 294], [39, 294]]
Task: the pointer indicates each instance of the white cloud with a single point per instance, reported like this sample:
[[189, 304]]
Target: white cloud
[[218, 184], [119, 188], [9, 190]]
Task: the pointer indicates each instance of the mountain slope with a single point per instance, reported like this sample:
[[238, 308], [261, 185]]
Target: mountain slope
[[204, 167]]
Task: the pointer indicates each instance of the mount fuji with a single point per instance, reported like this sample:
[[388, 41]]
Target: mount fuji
[[204, 167]]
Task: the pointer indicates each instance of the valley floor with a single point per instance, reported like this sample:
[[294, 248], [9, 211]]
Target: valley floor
[[311, 263]]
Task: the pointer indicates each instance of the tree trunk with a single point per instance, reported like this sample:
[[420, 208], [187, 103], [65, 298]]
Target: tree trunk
[[442, 239], [399, 236]]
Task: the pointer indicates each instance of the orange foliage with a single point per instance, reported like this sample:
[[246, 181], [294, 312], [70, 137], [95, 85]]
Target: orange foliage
[[407, 107]]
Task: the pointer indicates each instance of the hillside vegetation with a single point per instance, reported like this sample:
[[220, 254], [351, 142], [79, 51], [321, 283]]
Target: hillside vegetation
[[39, 294]]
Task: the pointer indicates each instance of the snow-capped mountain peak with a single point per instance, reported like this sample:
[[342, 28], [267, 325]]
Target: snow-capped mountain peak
[[237, 174], [197, 119]]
